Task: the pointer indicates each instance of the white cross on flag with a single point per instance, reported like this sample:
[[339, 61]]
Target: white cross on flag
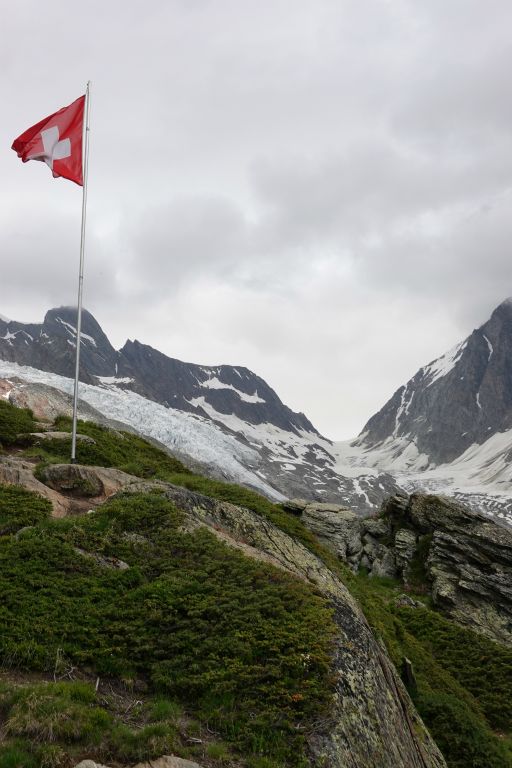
[[57, 141]]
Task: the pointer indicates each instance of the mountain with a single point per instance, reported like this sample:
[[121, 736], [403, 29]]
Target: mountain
[[50, 346], [449, 428], [460, 399], [225, 419]]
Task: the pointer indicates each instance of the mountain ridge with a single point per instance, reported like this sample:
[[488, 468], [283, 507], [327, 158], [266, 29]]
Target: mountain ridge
[[143, 369]]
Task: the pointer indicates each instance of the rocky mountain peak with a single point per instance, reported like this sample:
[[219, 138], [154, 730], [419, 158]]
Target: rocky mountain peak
[[212, 391], [462, 398]]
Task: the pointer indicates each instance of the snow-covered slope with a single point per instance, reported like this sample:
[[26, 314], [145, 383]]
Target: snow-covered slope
[[481, 477]]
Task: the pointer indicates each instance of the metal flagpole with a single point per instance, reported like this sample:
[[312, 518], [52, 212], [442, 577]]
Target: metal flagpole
[[85, 165]]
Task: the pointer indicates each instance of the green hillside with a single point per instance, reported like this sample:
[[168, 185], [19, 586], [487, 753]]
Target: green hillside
[[196, 649]]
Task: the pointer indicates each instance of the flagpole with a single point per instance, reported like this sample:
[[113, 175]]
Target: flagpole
[[85, 160]]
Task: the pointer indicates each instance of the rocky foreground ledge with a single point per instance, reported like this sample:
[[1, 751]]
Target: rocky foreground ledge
[[462, 559]]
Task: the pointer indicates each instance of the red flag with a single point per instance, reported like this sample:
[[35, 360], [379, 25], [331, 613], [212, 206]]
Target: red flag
[[57, 141]]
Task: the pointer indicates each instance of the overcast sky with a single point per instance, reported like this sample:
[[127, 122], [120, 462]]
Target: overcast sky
[[320, 190]]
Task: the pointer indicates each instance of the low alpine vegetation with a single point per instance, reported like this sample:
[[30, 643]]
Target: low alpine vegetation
[[239, 644]]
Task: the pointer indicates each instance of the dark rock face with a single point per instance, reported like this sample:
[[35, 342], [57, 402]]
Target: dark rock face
[[51, 346], [227, 389], [466, 559], [462, 398]]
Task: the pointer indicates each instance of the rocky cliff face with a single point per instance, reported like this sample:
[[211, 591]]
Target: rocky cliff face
[[463, 559], [462, 398]]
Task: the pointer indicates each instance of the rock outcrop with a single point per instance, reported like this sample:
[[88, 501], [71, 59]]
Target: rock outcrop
[[463, 559], [84, 481], [372, 722], [70, 488], [16, 471]]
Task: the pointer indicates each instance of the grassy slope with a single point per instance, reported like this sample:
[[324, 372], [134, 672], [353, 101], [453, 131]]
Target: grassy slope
[[463, 681]]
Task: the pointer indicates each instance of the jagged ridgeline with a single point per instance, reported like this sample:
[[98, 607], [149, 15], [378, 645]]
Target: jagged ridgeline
[[169, 614]]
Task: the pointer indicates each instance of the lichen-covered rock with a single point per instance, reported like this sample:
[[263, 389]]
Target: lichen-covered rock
[[337, 527], [468, 562], [465, 559], [295, 506], [405, 546], [384, 565]]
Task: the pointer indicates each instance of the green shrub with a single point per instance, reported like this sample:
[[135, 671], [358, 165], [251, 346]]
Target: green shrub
[[455, 669], [461, 736], [146, 743], [17, 754], [60, 712], [14, 422], [223, 635], [20, 508], [164, 709], [482, 667]]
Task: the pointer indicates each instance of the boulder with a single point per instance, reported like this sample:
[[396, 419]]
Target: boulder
[[295, 506], [167, 761], [15, 471], [42, 436], [338, 528], [70, 488], [84, 481]]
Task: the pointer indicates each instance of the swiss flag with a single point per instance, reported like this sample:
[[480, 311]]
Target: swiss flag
[[57, 141]]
